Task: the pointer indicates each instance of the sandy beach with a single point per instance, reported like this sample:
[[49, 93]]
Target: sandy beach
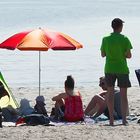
[[97, 131]]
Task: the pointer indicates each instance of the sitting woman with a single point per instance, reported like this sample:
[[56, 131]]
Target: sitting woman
[[98, 104], [69, 103]]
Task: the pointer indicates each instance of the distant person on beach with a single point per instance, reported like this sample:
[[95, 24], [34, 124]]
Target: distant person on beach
[[69, 103], [116, 48], [98, 104]]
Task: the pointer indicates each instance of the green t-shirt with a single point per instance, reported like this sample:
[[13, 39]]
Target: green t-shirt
[[115, 46]]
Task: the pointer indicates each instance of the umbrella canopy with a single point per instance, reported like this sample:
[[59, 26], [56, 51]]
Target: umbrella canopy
[[40, 40]]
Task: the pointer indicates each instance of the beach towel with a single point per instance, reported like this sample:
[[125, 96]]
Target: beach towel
[[87, 120], [101, 120]]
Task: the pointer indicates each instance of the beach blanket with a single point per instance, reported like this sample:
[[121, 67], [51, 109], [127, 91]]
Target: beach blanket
[[5, 124], [87, 120], [102, 120]]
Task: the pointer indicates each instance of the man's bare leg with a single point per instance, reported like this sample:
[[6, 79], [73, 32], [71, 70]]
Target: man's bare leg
[[110, 103], [124, 104]]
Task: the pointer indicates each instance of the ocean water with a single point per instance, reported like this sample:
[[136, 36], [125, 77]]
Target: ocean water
[[86, 21]]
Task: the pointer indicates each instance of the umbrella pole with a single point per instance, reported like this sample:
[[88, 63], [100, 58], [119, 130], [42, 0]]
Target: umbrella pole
[[39, 71]]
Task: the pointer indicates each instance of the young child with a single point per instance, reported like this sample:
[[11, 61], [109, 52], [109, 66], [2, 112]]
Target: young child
[[40, 106], [25, 108], [69, 103]]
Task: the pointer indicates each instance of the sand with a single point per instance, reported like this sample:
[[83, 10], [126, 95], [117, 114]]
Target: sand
[[98, 131]]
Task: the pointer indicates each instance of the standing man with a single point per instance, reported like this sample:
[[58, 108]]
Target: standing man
[[116, 48]]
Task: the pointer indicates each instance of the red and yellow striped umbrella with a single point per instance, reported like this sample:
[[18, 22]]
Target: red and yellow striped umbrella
[[40, 40]]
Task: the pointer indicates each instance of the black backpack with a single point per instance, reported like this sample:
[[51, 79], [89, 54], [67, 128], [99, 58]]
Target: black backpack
[[34, 119]]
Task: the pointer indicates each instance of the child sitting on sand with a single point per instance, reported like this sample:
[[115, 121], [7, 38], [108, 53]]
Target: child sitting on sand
[[40, 106], [69, 103], [25, 108]]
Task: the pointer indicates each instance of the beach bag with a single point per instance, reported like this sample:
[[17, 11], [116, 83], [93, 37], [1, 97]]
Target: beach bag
[[33, 119], [73, 109], [138, 75], [57, 114]]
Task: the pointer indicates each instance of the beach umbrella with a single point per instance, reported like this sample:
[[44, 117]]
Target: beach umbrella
[[40, 40]]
